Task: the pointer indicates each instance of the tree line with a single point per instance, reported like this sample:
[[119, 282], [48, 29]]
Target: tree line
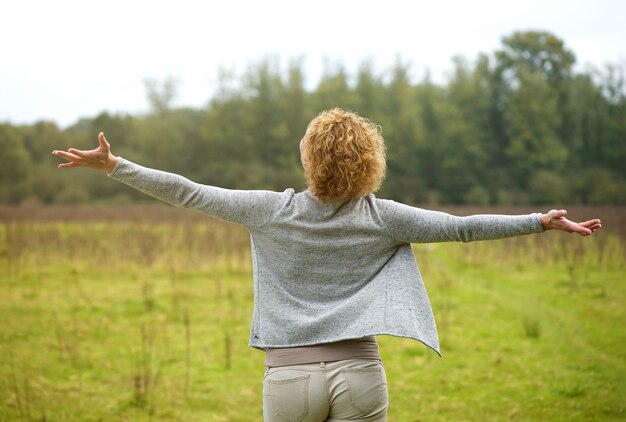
[[518, 126]]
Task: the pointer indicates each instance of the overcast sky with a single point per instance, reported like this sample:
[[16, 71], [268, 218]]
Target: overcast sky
[[64, 59]]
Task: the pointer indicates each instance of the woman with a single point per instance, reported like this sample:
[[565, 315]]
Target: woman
[[333, 265]]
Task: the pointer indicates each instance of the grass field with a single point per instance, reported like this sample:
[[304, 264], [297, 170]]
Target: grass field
[[142, 313]]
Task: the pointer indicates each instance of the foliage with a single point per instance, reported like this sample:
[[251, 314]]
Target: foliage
[[519, 126]]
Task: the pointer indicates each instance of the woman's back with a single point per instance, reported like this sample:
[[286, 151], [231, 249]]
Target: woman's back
[[319, 271]]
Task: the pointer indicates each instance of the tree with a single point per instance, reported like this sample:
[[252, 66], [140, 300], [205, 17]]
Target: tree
[[532, 76], [333, 90], [161, 94], [16, 166], [462, 151], [535, 52], [533, 120], [369, 91], [407, 141]]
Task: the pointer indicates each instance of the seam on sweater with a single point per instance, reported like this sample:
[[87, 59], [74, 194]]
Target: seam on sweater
[[278, 209], [380, 219], [386, 302], [257, 290]]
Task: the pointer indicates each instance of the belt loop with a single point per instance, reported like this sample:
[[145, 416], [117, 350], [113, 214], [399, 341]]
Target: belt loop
[[323, 365]]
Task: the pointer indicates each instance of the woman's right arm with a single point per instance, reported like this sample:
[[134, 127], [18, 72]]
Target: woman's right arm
[[248, 208]]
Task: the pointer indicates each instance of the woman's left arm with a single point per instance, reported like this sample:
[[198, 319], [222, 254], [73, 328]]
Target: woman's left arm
[[248, 208]]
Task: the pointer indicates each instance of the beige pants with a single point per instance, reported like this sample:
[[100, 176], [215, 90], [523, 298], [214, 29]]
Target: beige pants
[[346, 390]]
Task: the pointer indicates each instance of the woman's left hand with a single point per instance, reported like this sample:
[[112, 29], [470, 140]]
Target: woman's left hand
[[97, 159], [555, 219]]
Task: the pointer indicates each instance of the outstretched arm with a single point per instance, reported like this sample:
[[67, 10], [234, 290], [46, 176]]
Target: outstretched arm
[[97, 159], [249, 208], [415, 225]]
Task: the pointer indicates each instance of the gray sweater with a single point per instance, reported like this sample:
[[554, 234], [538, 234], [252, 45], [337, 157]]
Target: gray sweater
[[330, 271]]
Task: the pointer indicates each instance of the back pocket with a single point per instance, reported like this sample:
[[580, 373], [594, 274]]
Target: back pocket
[[366, 387], [287, 399]]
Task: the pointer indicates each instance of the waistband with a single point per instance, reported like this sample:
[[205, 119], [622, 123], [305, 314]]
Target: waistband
[[361, 348]]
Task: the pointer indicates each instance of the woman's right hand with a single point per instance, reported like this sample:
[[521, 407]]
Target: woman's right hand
[[98, 159]]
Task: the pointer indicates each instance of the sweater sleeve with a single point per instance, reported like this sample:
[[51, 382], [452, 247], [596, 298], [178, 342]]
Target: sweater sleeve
[[248, 208], [415, 225]]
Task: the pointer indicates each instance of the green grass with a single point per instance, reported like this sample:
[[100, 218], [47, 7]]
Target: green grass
[[519, 342], [150, 322]]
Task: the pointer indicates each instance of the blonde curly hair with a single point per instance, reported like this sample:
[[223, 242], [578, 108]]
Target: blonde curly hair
[[343, 155]]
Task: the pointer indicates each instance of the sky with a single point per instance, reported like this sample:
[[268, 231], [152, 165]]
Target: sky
[[66, 59]]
